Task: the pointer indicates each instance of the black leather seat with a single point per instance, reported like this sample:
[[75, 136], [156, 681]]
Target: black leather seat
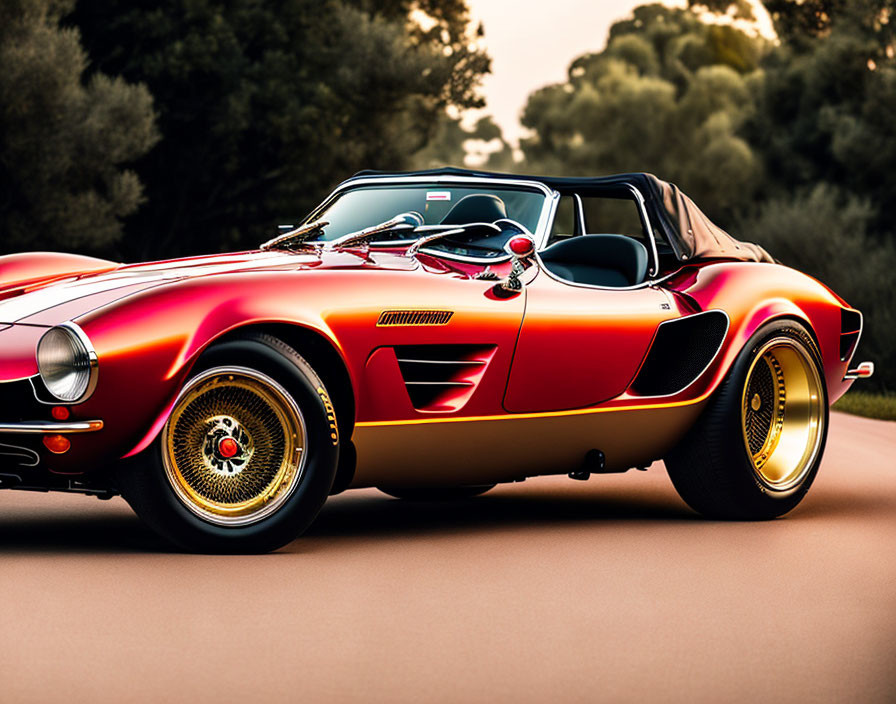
[[476, 207], [598, 260]]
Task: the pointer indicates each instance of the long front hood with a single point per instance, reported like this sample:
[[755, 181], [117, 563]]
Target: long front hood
[[60, 300]]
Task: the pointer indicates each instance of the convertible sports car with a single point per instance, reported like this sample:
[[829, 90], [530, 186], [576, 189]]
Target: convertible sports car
[[431, 334]]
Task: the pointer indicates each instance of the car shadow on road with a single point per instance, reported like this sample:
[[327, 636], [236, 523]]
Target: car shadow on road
[[367, 515], [70, 533], [381, 516]]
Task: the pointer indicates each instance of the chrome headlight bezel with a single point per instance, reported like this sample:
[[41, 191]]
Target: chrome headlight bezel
[[69, 370]]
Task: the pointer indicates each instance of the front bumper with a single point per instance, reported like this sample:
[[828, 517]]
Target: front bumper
[[51, 427]]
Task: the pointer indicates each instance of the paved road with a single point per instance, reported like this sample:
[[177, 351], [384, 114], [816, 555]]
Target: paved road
[[610, 590]]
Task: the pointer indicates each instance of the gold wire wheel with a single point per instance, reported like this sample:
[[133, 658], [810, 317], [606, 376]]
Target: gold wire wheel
[[233, 447], [782, 413]]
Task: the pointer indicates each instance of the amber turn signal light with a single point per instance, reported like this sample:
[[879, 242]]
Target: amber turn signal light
[[57, 444]]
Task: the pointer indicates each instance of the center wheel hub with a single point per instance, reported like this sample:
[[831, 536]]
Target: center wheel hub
[[228, 447]]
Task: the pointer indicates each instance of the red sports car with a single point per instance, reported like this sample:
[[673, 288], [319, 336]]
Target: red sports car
[[431, 334]]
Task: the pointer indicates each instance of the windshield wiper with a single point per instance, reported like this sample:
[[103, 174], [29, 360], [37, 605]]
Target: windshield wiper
[[459, 230], [297, 236], [405, 221]]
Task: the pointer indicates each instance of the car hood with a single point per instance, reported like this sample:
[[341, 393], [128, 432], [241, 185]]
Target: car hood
[[58, 300]]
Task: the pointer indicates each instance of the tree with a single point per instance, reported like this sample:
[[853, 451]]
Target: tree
[[63, 142], [263, 107], [669, 94], [827, 106]]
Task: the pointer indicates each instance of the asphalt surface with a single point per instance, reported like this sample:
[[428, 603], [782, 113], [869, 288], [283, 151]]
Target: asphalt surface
[[550, 590]]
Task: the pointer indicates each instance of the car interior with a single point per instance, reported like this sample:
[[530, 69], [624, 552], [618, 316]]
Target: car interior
[[576, 252]]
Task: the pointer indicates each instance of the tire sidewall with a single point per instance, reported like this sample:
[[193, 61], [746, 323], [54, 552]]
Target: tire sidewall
[[745, 476]]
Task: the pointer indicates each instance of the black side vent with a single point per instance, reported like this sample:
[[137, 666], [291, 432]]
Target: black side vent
[[442, 377], [681, 350], [850, 331], [414, 317]]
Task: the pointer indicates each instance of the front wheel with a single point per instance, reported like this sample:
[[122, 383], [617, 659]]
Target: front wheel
[[247, 456], [756, 449]]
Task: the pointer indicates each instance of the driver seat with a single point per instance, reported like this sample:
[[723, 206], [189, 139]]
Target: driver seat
[[598, 260], [476, 207]]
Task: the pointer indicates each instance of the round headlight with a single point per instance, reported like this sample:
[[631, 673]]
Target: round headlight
[[65, 363]]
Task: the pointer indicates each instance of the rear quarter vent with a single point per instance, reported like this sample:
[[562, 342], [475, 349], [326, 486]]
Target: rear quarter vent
[[850, 332], [681, 350]]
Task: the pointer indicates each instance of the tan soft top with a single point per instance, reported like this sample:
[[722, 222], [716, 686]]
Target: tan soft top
[[700, 238]]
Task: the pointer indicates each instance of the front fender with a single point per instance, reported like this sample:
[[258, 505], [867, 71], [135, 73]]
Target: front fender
[[29, 268], [148, 343]]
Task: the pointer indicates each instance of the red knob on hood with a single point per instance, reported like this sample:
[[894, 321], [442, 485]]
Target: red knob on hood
[[521, 245]]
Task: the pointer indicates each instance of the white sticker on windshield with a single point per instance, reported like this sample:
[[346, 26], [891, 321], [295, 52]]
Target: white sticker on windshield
[[438, 195]]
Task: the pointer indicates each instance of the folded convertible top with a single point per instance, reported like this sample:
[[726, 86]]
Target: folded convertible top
[[698, 236], [688, 231]]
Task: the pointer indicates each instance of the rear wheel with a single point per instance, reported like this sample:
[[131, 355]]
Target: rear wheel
[[453, 493], [247, 456], [755, 451]]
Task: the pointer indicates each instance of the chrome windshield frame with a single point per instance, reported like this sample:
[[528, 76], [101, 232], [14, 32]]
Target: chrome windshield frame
[[542, 228]]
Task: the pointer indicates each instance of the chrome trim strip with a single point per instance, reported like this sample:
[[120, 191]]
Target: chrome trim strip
[[438, 383], [477, 362], [580, 216], [708, 364], [51, 428], [23, 453], [645, 223]]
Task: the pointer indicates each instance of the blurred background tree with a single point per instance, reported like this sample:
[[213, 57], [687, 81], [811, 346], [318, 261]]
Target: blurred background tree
[[669, 94], [263, 107], [63, 140]]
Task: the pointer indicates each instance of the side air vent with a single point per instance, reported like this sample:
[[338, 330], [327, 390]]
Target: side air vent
[[681, 350], [414, 317], [442, 377], [850, 332]]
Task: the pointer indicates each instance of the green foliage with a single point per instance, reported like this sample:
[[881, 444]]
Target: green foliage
[[869, 405], [668, 95], [824, 233], [452, 143], [63, 141], [265, 106]]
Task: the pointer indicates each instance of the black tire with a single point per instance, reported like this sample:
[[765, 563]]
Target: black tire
[[156, 490], [713, 468], [452, 493]]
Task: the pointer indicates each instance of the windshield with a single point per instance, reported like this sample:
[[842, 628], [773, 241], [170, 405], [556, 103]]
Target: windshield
[[440, 205]]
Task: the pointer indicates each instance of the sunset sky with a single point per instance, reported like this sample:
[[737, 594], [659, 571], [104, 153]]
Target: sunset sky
[[533, 43]]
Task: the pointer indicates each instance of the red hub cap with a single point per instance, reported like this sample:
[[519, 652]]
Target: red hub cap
[[228, 448]]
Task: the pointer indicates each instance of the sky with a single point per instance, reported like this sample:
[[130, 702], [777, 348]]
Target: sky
[[532, 43]]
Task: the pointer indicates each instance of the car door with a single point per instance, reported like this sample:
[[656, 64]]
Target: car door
[[579, 345]]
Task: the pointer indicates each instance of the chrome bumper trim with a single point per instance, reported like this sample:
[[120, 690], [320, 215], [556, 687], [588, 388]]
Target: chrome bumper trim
[[863, 371], [47, 427]]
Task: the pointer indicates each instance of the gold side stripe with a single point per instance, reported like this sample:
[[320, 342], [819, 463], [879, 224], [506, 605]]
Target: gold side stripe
[[523, 416], [414, 317]]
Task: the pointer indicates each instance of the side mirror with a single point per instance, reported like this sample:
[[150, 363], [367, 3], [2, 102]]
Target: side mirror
[[520, 248]]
